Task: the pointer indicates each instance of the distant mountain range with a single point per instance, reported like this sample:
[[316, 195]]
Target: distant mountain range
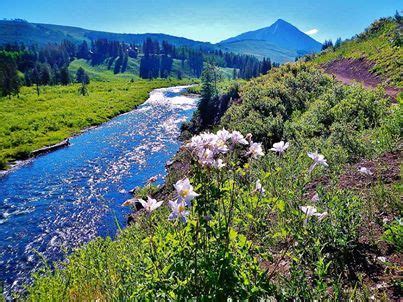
[[281, 42]]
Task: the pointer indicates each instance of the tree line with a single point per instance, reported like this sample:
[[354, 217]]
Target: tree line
[[48, 65]]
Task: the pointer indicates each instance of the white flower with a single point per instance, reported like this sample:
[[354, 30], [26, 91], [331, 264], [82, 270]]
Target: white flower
[[185, 190], [308, 210], [238, 138], [206, 157], [151, 204], [365, 171], [312, 211], [178, 210], [255, 150], [219, 146], [259, 188], [318, 159], [218, 164], [223, 135], [280, 147]]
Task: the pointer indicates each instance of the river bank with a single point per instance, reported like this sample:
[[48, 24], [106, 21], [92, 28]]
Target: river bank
[[63, 199], [30, 122]]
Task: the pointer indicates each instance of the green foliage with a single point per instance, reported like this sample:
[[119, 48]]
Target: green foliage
[[274, 108], [394, 234], [31, 122], [243, 243]]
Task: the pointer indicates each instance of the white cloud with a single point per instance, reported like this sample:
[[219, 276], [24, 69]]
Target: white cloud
[[312, 31]]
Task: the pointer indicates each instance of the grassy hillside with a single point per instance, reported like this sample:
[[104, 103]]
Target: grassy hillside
[[30, 122], [260, 49], [379, 44], [248, 235]]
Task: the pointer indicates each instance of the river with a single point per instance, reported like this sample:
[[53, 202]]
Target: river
[[58, 201]]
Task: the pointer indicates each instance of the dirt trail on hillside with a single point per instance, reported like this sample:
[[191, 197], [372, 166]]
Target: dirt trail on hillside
[[352, 70]]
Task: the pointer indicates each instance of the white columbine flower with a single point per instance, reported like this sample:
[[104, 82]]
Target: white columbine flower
[[178, 210], [312, 211], [151, 204], [259, 188], [317, 159], [280, 147], [255, 150], [365, 171], [185, 190], [219, 146], [223, 135], [238, 138]]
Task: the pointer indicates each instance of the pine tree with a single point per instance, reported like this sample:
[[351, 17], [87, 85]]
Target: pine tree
[[65, 76], [9, 80]]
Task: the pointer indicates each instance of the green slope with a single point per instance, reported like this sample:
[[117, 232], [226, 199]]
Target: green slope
[[379, 44], [260, 49]]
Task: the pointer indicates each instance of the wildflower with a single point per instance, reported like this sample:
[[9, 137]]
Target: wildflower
[[185, 190], [218, 164], [308, 210], [206, 157], [318, 159], [219, 146], [259, 188], [238, 138], [255, 150], [151, 204], [312, 211], [280, 147], [178, 210], [365, 171], [223, 135]]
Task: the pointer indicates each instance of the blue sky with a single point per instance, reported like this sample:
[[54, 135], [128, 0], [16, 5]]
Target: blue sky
[[208, 20]]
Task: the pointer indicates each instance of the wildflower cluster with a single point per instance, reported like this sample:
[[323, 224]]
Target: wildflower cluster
[[209, 147]]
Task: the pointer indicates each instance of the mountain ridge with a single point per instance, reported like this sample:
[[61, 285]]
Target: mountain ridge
[[281, 41]]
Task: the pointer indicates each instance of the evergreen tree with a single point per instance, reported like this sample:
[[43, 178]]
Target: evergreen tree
[[124, 63], [327, 44], [65, 76], [337, 43], [82, 76], [209, 92], [83, 51], [9, 80]]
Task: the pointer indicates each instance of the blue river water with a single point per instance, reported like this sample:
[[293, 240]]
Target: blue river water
[[58, 201]]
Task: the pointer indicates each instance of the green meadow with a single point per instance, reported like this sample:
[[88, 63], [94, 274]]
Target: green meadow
[[29, 122]]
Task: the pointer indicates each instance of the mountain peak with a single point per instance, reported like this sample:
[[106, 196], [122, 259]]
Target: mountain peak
[[280, 21], [281, 34]]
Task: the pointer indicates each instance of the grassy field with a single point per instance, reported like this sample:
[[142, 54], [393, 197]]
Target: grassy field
[[29, 122], [379, 44]]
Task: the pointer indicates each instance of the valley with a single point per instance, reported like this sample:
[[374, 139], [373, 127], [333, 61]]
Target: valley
[[264, 167]]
